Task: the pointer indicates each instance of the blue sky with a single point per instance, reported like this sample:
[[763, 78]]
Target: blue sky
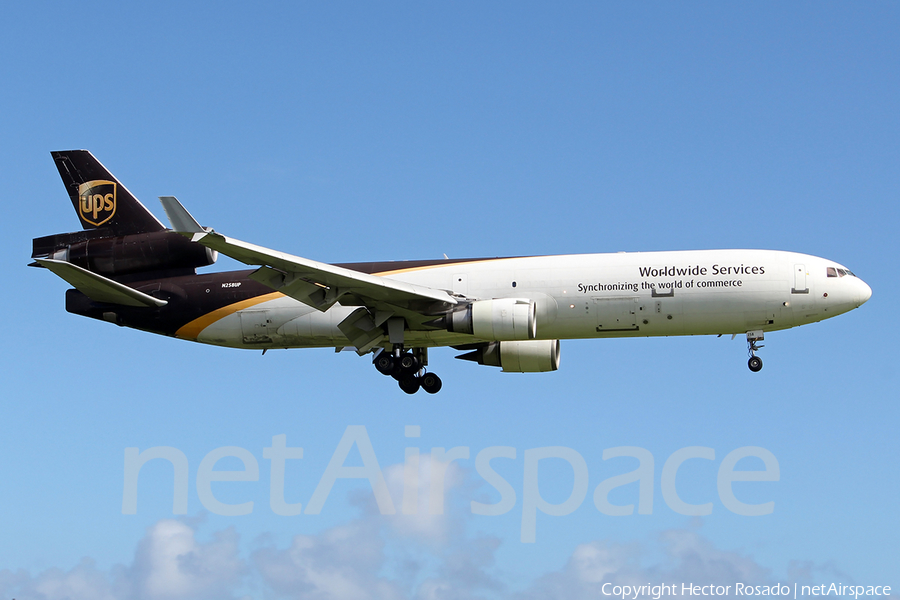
[[365, 131]]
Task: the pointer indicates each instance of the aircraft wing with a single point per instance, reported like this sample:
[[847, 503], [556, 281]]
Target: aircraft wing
[[99, 288], [316, 284]]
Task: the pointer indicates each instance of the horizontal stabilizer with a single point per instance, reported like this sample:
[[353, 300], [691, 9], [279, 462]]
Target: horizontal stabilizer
[[99, 288]]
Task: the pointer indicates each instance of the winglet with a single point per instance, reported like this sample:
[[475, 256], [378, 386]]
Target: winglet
[[179, 217]]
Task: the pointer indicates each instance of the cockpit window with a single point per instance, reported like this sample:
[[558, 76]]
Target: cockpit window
[[836, 272]]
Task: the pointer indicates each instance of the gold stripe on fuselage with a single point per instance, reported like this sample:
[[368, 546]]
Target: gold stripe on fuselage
[[192, 330]]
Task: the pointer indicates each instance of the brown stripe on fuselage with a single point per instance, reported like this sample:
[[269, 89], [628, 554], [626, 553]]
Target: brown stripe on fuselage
[[430, 265], [406, 266]]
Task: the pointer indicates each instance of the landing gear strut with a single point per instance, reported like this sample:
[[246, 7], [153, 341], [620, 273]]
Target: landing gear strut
[[408, 368], [755, 363]]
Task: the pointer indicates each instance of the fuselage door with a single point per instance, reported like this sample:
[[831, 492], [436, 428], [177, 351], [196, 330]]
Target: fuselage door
[[616, 314], [774, 313], [255, 326], [800, 280]]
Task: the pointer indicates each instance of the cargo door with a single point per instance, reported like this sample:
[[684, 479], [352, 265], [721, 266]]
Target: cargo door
[[616, 314], [255, 326]]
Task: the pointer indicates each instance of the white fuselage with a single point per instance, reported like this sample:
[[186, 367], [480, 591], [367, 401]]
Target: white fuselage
[[589, 296]]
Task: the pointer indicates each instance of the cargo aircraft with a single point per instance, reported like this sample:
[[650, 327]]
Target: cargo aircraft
[[129, 269]]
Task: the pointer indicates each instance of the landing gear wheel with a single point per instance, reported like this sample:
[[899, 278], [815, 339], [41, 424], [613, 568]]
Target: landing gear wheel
[[384, 362], [755, 364], [431, 383], [410, 384], [408, 364]]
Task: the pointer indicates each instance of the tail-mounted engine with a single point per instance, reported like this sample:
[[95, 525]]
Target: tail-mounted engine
[[164, 252]]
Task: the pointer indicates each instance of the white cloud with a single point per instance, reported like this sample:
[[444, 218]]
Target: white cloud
[[463, 573], [82, 581], [169, 564], [342, 562], [688, 558], [433, 519], [422, 555], [375, 557]]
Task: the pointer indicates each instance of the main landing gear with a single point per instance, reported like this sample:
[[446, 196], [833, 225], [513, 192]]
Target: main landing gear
[[408, 368], [755, 363]]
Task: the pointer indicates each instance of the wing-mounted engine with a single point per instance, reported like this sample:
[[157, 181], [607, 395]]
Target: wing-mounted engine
[[500, 319], [528, 356], [158, 252]]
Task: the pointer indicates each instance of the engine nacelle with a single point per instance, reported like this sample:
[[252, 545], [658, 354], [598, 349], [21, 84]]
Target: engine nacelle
[[499, 319], [530, 356], [127, 254]]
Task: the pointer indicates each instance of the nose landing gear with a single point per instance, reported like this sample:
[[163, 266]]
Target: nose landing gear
[[408, 368], [755, 363]]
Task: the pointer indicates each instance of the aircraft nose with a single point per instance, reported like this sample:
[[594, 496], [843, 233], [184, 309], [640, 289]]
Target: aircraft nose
[[865, 292]]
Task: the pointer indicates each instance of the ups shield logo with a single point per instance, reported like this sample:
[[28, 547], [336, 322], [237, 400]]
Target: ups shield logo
[[97, 201]]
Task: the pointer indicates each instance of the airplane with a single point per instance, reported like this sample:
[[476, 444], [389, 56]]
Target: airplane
[[127, 268]]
